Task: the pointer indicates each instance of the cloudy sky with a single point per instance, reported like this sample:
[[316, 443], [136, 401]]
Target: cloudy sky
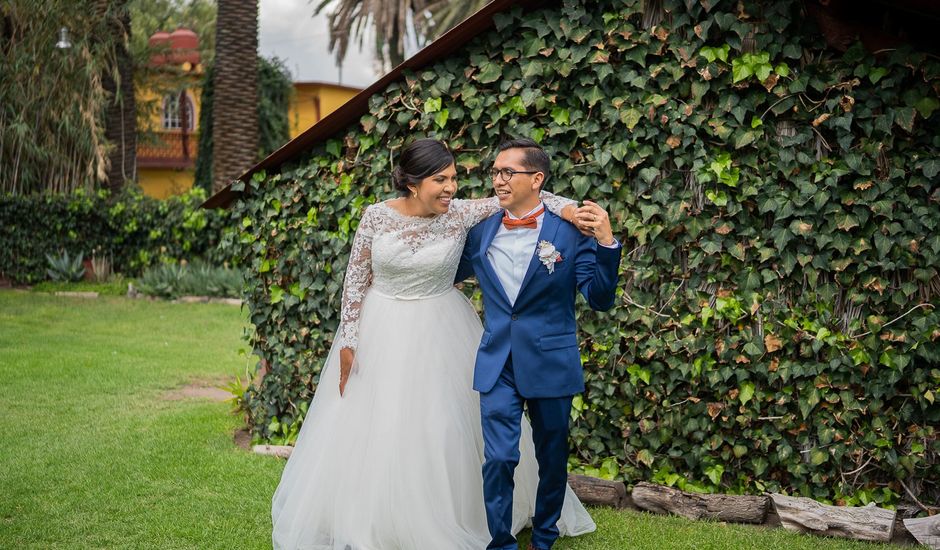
[[290, 31]]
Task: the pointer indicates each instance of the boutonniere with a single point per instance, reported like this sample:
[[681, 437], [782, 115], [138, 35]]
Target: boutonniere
[[548, 255]]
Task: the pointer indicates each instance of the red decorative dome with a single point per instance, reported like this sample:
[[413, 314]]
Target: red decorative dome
[[184, 39], [176, 48], [158, 39]]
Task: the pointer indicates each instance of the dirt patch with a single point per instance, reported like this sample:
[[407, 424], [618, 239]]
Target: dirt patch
[[198, 390], [242, 439]]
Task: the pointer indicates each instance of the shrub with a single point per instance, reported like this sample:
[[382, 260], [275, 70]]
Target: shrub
[[132, 230]]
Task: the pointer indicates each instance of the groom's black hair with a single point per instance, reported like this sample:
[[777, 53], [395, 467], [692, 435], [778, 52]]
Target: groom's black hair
[[420, 159], [535, 157]]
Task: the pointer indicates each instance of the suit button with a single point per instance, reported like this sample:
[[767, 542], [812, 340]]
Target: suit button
[[514, 317]]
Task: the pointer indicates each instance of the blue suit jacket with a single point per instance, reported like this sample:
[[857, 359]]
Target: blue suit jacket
[[539, 329]]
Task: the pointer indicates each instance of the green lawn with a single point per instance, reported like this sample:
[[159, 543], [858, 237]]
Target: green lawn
[[93, 453]]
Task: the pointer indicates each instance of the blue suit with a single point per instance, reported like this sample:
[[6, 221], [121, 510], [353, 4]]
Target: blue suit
[[529, 356]]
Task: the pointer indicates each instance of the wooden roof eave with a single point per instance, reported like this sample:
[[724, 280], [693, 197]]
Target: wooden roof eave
[[352, 110]]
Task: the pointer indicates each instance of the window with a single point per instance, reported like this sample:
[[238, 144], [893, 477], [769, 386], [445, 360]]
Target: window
[[173, 118]]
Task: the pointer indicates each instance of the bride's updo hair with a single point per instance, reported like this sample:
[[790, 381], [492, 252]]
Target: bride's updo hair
[[420, 159]]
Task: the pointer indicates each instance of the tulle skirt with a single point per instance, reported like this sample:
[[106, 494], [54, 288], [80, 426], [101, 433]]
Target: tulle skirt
[[395, 463]]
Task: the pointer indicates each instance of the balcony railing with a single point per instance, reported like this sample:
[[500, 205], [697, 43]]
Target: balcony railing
[[171, 149]]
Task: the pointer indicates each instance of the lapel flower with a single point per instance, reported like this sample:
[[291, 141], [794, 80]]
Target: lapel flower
[[548, 255]]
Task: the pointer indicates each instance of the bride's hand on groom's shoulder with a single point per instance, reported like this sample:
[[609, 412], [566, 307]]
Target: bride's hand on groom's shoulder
[[346, 358], [592, 220]]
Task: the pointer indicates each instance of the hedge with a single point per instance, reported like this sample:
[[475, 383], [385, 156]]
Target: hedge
[[779, 207], [134, 230]]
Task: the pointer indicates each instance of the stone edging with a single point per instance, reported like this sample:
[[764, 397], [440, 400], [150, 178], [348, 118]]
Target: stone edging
[[75, 294]]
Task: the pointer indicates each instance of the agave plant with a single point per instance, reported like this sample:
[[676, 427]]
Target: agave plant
[[191, 279], [163, 280], [65, 268]]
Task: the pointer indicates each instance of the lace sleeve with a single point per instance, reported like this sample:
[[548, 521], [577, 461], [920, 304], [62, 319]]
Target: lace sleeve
[[358, 279], [555, 203], [474, 211]]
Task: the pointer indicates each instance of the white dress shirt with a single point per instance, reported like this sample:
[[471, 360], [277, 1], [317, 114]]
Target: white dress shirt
[[511, 252]]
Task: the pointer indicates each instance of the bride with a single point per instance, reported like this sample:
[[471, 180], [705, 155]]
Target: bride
[[390, 453]]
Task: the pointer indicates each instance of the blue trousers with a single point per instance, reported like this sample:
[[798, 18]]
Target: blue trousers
[[501, 412]]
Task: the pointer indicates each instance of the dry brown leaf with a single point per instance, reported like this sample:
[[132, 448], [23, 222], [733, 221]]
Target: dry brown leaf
[[771, 81], [821, 118], [772, 342], [847, 102]]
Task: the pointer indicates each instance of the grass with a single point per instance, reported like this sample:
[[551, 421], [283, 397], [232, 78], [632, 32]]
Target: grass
[[94, 455]]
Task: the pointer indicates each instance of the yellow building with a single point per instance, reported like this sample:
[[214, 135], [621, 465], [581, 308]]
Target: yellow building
[[313, 101], [166, 163]]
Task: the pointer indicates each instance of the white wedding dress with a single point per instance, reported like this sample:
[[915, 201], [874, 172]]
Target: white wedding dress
[[395, 463]]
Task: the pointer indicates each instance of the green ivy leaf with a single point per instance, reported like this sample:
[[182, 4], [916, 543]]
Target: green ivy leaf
[[491, 73], [334, 147], [630, 117], [931, 168], [818, 456], [746, 390], [714, 473], [561, 116], [432, 105], [277, 294], [876, 74], [926, 106], [740, 70], [441, 118]]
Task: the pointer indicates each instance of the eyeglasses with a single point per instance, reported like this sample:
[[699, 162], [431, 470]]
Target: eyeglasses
[[506, 174]]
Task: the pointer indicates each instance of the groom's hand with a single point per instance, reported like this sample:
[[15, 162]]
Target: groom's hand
[[595, 219], [346, 357]]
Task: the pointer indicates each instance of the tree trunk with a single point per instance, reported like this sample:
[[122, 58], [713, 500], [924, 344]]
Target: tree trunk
[[734, 508], [121, 111], [805, 515], [235, 101]]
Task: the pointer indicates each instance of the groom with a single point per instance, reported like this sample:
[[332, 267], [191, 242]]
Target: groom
[[530, 264]]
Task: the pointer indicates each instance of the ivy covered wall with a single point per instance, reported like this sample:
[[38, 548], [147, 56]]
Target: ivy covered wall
[[778, 203]]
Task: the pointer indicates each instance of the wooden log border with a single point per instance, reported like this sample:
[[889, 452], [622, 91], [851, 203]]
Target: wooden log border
[[751, 509], [766, 510]]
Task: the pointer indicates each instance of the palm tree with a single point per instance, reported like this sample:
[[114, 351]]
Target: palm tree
[[235, 101], [393, 22], [121, 109]]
